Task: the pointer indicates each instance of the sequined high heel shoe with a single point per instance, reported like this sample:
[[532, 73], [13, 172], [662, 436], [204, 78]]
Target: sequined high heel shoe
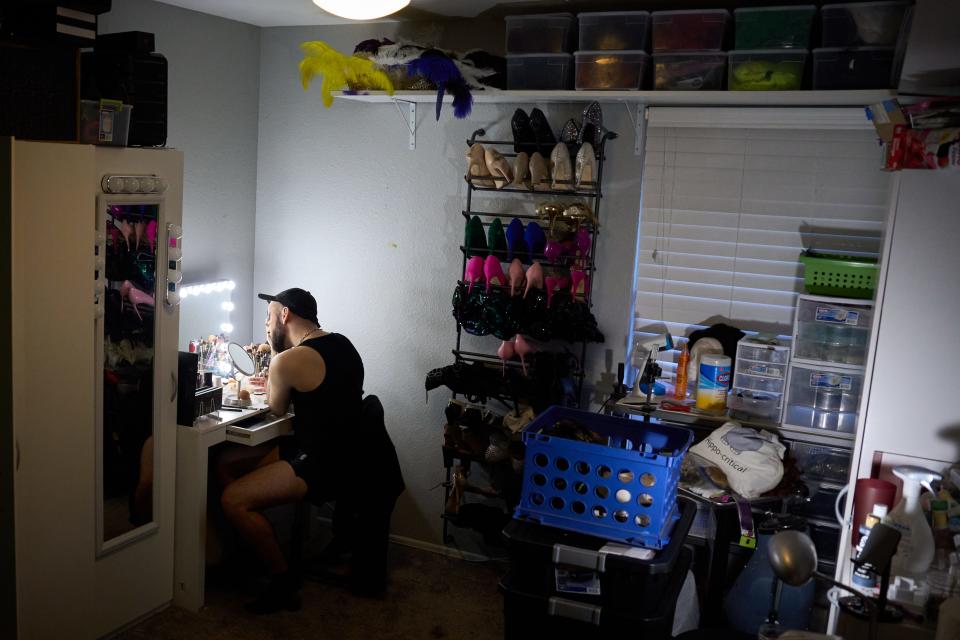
[[585, 173], [569, 135], [591, 126], [524, 139], [560, 169], [542, 131]]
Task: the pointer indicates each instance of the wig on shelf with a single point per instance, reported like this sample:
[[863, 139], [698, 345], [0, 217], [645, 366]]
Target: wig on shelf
[[386, 65]]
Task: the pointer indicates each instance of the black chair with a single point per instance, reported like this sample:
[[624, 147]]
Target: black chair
[[363, 506]]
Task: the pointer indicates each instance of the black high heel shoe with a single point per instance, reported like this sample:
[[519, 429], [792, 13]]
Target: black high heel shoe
[[524, 139], [546, 141], [570, 136], [591, 126]]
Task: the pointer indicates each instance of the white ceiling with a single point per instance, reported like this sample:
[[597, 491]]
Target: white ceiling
[[287, 13]]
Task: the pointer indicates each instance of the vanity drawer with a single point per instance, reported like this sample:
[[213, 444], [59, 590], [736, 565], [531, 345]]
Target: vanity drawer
[[259, 429]]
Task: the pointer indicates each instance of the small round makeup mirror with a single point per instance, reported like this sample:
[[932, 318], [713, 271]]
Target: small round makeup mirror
[[242, 360], [793, 557]]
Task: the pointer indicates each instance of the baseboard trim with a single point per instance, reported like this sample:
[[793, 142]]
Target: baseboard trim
[[438, 548]]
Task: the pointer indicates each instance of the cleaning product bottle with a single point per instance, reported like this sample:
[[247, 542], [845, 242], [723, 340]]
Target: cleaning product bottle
[[916, 549], [680, 390], [713, 383], [864, 577]]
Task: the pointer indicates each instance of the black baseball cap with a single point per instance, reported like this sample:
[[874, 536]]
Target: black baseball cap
[[298, 301]]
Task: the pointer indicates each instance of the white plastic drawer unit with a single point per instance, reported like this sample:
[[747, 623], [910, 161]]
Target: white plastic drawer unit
[[259, 429]]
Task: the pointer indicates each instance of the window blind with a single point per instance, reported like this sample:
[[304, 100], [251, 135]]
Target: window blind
[[726, 212]]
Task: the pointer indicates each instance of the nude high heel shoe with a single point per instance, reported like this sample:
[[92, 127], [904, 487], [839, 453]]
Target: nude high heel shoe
[[505, 352], [539, 173], [586, 167], [477, 173], [474, 272], [521, 171], [498, 167], [135, 296], [494, 272], [126, 230], [517, 276], [534, 278], [523, 348], [560, 168]]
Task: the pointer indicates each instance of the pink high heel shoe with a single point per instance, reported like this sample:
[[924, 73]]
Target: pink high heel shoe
[[580, 284], [582, 243], [505, 352], [553, 250], [474, 272], [523, 348], [152, 235], [554, 284], [135, 297], [534, 278], [138, 229], [126, 229], [493, 271], [517, 276]]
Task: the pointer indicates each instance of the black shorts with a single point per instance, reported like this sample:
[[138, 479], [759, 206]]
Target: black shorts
[[306, 468]]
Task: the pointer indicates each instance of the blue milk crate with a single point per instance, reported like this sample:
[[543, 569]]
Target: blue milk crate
[[625, 490]]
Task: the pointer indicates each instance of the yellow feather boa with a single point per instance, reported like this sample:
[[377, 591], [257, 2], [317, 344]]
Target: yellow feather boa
[[339, 70]]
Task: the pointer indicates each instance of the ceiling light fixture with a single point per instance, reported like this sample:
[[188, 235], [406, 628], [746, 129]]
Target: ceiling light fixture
[[361, 9]]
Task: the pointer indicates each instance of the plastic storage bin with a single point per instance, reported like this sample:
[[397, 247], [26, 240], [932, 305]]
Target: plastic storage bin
[[611, 69], [535, 615], [689, 71], [862, 23], [821, 505], [774, 27], [538, 553], [765, 384], [544, 33], [614, 31], [837, 275], [623, 490], [861, 68], [832, 331], [825, 389], [766, 70], [690, 30], [104, 126], [540, 71], [754, 351], [805, 416], [747, 403], [818, 462]]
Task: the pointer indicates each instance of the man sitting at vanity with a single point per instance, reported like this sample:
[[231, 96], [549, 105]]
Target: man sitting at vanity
[[321, 375]]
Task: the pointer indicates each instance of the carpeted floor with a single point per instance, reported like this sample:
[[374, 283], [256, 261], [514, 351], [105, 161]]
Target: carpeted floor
[[430, 596]]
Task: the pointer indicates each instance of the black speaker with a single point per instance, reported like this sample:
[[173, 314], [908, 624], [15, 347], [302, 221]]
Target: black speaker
[[138, 79]]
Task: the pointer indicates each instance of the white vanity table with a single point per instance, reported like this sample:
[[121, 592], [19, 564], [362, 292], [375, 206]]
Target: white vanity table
[[250, 426]]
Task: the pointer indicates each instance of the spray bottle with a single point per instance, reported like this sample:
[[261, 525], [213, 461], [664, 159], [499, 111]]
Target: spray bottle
[[916, 549]]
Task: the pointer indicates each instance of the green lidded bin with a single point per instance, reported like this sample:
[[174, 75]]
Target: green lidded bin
[[836, 275], [774, 27]]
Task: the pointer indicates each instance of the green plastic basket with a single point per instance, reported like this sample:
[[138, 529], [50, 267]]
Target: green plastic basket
[[835, 275]]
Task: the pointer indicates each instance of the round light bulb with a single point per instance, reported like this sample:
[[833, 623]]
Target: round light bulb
[[361, 9]]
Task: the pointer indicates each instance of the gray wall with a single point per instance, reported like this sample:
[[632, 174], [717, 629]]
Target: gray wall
[[213, 99], [345, 210]]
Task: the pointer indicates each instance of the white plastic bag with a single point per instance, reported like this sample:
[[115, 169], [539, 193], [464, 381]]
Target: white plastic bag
[[752, 460]]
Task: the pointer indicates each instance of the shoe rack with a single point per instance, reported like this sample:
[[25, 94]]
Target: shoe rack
[[589, 192]]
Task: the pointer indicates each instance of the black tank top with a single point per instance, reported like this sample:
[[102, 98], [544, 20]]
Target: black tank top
[[326, 419]]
